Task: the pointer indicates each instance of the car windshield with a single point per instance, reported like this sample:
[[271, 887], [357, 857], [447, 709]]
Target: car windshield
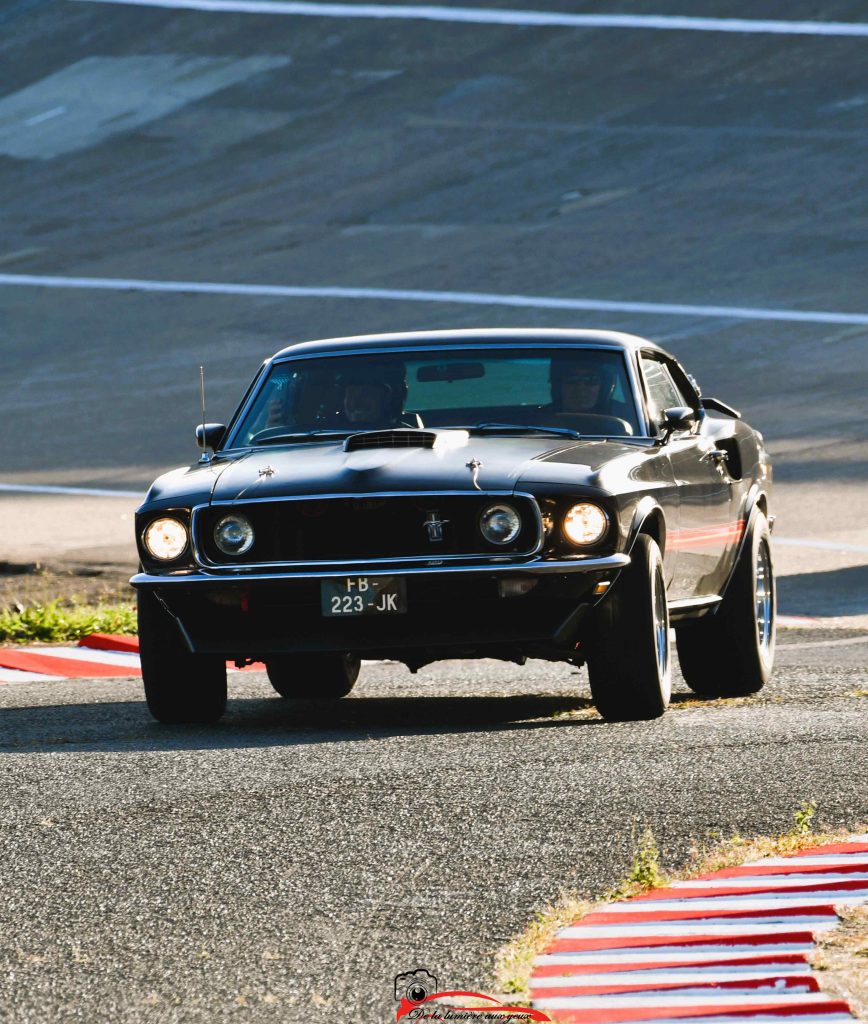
[[582, 391]]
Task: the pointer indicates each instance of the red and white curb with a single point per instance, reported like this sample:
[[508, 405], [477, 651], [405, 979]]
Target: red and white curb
[[99, 655], [732, 945]]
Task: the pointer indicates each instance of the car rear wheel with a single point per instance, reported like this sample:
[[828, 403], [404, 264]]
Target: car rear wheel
[[629, 659], [313, 676], [731, 653], [180, 687]]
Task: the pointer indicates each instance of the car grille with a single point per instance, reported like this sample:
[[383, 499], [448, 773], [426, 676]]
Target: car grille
[[330, 530]]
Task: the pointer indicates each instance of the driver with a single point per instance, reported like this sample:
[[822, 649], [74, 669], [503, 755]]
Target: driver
[[581, 389]]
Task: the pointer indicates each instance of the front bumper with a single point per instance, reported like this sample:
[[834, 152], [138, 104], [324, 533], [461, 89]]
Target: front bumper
[[454, 611], [238, 577]]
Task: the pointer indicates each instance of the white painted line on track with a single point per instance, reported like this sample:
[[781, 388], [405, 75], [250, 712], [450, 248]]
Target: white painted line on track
[[807, 316], [707, 977], [47, 115], [701, 994], [648, 1000], [14, 675], [93, 492], [765, 902], [652, 955], [486, 16], [778, 882], [677, 929], [825, 545], [760, 1018], [845, 642], [831, 860]]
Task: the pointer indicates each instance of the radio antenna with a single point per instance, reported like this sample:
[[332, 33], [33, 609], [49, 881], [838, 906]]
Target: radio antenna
[[205, 456]]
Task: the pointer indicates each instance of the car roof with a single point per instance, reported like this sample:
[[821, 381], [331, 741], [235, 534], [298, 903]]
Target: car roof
[[493, 336]]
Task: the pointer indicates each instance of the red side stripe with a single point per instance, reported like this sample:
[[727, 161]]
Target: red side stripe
[[736, 526], [699, 536]]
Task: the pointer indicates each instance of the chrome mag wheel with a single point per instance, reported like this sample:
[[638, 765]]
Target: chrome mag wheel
[[764, 598], [660, 613]]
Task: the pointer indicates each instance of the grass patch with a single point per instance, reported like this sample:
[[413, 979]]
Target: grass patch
[[514, 962], [51, 623], [842, 956]]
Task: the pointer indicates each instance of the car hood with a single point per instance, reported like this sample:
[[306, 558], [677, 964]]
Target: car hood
[[506, 463]]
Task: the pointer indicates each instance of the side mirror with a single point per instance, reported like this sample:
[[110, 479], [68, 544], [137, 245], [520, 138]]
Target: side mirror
[[681, 417], [209, 435], [718, 406]]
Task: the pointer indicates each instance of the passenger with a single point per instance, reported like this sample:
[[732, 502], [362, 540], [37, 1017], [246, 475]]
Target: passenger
[[368, 405]]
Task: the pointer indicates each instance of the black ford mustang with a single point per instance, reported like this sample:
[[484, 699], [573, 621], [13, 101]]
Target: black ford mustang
[[503, 494]]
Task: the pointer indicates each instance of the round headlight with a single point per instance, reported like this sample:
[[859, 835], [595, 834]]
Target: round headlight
[[166, 539], [585, 523], [500, 524], [233, 535]]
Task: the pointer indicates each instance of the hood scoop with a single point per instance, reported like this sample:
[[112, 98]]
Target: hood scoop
[[409, 438]]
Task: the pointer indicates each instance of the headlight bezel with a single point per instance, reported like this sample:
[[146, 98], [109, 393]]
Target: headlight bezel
[[179, 552], [594, 540], [500, 506], [240, 518]]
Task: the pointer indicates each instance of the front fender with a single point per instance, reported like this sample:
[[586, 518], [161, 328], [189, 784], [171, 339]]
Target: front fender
[[649, 517], [756, 501]]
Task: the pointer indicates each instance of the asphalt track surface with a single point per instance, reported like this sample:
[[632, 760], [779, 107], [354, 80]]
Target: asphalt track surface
[[287, 864]]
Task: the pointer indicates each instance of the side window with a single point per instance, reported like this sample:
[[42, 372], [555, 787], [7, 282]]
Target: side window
[[662, 390], [685, 386]]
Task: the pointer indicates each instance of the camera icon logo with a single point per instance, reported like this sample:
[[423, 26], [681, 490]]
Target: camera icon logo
[[415, 985]]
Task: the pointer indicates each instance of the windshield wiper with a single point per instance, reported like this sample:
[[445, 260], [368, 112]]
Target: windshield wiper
[[307, 435], [522, 428]]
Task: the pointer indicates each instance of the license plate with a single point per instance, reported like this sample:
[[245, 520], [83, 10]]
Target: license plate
[[364, 595]]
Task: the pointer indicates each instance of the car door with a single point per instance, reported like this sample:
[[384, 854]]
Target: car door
[[703, 535]]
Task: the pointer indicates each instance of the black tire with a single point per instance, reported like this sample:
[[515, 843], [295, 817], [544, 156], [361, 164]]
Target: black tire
[[180, 687], [629, 658], [731, 653], [313, 676]]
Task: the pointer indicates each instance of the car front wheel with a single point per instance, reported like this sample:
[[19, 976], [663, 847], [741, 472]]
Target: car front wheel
[[731, 653], [629, 661], [180, 687], [313, 676]]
